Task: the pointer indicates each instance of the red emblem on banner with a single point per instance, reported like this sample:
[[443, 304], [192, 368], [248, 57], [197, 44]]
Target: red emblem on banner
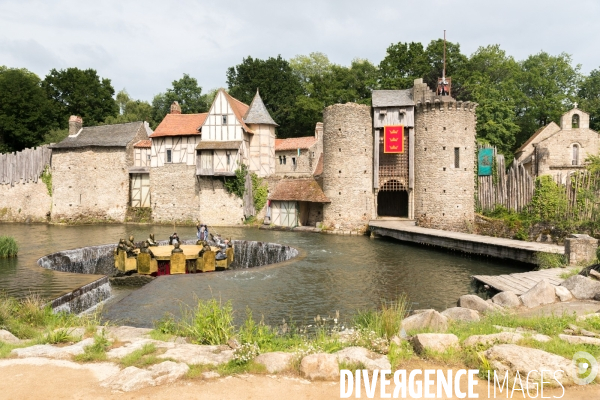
[[393, 139]]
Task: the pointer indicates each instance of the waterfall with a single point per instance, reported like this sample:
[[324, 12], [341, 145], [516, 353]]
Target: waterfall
[[96, 260], [83, 298], [250, 254]]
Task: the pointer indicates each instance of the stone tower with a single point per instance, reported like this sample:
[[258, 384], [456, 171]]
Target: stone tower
[[348, 166], [444, 161]]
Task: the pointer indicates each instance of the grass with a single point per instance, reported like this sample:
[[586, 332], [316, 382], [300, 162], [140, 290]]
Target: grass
[[385, 322], [210, 323], [8, 247], [141, 358], [550, 260], [568, 274], [95, 351]]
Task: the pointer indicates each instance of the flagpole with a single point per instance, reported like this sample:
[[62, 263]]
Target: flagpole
[[444, 71]]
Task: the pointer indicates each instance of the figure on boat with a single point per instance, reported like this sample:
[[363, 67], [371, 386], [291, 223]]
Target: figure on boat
[[174, 239], [151, 241], [130, 247], [176, 249], [202, 231], [146, 249]]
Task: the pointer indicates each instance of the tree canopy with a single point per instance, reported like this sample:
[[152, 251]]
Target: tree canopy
[[186, 92]]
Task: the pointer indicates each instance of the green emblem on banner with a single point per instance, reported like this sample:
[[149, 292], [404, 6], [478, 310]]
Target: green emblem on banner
[[484, 162]]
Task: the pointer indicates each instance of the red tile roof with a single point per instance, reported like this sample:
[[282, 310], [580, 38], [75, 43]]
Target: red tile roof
[[295, 143], [143, 144], [239, 109], [298, 190], [180, 125]]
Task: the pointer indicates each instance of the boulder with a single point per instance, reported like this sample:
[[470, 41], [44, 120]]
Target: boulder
[[502, 337], [538, 337], [513, 358], [129, 379], [320, 366], [461, 314], [474, 303], [582, 288], [507, 299], [168, 372], [563, 293], [580, 339], [127, 333], [542, 293], [275, 362], [594, 274], [429, 319], [7, 337], [197, 354], [49, 351], [369, 359], [439, 342]]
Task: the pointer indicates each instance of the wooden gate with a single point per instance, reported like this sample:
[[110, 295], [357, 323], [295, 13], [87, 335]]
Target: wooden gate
[[285, 213], [140, 190]]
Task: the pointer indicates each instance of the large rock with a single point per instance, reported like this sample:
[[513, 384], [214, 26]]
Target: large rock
[[439, 342], [474, 303], [129, 379], [197, 354], [49, 351], [275, 362], [426, 320], [580, 339], [461, 314], [168, 372], [136, 344], [513, 358], [369, 359], [542, 293], [127, 333], [563, 293], [581, 287], [507, 299], [502, 337], [7, 337], [320, 366]]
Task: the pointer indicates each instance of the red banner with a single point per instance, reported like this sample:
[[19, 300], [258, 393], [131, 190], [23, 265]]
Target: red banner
[[393, 139]]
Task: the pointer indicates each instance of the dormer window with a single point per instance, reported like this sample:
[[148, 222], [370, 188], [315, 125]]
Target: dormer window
[[575, 160], [224, 119], [575, 121]]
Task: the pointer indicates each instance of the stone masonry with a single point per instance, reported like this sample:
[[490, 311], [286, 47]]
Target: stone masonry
[[25, 202], [444, 162], [348, 166]]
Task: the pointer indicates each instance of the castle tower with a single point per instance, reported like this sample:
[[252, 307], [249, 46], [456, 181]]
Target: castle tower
[[348, 166], [444, 160]]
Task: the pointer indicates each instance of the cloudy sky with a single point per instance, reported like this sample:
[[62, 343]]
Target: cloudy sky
[[144, 45]]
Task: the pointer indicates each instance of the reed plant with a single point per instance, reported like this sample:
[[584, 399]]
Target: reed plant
[[8, 247], [211, 322], [385, 322]]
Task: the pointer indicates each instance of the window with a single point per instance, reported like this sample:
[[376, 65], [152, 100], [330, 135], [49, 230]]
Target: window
[[575, 160], [575, 121], [457, 157], [169, 156], [228, 159], [280, 160], [294, 161], [224, 119], [148, 157], [284, 160]]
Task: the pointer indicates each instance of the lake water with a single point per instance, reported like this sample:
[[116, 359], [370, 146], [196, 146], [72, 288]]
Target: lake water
[[342, 273]]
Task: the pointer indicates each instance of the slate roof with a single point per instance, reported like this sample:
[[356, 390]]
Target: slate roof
[[392, 98], [180, 125], [117, 135], [295, 143], [299, 190], [143, 144], [219, 145], [258, 113]]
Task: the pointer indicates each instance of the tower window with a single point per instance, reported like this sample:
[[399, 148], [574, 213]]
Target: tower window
[[457, 157], [575, 160]]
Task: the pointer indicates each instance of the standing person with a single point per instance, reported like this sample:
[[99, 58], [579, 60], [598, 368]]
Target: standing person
[[202, 231], [174, 239]]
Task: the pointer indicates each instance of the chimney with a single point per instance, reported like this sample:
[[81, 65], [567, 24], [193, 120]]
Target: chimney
[[75, 125], [175, 108], [319, 131]]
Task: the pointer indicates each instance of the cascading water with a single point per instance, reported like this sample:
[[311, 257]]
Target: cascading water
[[255, 254]]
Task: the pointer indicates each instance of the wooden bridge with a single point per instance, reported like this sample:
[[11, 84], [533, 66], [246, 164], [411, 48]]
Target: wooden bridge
[[522, 282]]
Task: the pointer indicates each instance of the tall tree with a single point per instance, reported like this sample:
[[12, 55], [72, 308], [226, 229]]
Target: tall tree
[[24, 110], [186, 92], [131, 110], [589, 98], [80, 92], [310, 67], [549, 86], [279, 88], [455, 64], [402, 64]]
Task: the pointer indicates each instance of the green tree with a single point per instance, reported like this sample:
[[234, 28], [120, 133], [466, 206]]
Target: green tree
[[403, 63], [589, 98], [309, 67], [549, 86], [80, 92], [24, 110], [279, 89], [186, 92], [131, 110], [455, 64]]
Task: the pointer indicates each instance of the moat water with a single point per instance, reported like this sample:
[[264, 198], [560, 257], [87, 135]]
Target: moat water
[[333, 273]]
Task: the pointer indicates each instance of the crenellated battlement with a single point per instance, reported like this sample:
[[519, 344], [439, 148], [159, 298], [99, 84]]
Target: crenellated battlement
[[436, 104]]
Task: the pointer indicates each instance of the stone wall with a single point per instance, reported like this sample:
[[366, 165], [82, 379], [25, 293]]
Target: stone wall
[[25, 202], [90, 184], [348, 166], [217, 207], [444, 193], [305, 163]]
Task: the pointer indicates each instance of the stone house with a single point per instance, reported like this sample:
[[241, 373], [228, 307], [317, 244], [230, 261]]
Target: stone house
[[554, 149], [299, 157], [91, 170], [192, 155], [297, 202]]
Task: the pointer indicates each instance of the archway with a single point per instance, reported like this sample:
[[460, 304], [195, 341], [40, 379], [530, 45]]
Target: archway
[[391, 201]]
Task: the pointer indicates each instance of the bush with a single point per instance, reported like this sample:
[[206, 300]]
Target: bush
[[210, 323], [385, 323], [8, 247], [550, 260]]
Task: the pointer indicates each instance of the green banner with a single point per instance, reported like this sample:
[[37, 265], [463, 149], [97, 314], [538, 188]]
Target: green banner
[[484, 161]]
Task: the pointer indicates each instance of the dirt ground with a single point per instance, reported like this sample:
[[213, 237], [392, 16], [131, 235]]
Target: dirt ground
[[66, 380]]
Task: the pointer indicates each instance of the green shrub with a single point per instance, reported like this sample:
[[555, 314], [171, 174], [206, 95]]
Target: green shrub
[[96, 351], [549, 200], [386, 322], [8, 247], [550, 260], [237, 184], [210, 323], [260, 191], [47, 179]]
